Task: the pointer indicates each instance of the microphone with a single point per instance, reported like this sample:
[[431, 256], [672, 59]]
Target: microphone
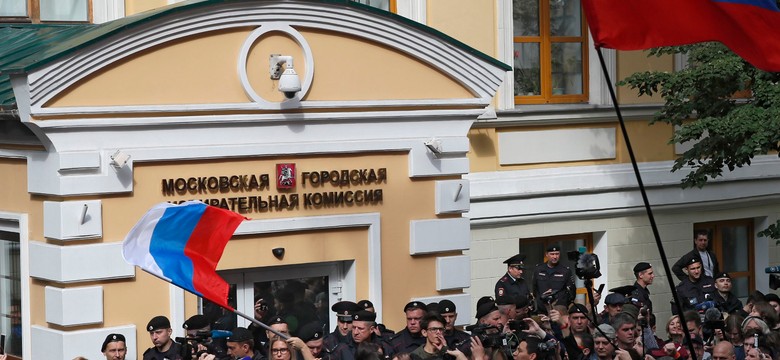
[[772, 270], [220, 334], [712, 314]]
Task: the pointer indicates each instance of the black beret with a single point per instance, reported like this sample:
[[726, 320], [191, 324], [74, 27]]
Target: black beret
[[483, 300], [486, 308], [505, 300], [196, 322], [158, 322], [432, 307], [625, 290], [723, 275], [365, 304], [277, 320], [240, 334], [345, 309], [578, 308], [112, 338], [446, 306], [521, 301], [772, 297], [415, 305], [692, 259], [615, 299], [642, 266], [364, 315], [553, 247], [516, 260], [310, 331]]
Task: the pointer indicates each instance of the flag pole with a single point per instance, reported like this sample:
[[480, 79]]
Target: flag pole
[[648, 209], [259, 323]]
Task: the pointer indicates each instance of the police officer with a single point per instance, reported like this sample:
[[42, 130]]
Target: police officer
[[410, 338], [512, 283], [449, 312], [381, 329], [159, 329], [312, 334], [363, 324], [342, 334], [644, 274], [114, 347], [553, 282], [697, 287], [241, 344], [726, 301]]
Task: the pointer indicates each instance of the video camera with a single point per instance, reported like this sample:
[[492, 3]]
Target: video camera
[[587, 266], [202, 339]]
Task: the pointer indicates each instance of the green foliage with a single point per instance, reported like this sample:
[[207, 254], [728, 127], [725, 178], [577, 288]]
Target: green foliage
[[728, 131]]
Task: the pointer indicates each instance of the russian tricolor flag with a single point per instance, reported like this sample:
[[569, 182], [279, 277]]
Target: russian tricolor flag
[[182, 244], [750, 28]]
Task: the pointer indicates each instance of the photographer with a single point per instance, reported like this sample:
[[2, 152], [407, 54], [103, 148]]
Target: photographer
[[199, 338], [536, 344]]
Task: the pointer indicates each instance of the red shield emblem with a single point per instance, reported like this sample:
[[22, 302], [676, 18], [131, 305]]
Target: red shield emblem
[[285, 176]]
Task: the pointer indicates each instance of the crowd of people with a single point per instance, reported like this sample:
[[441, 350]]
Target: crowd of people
[[534, 319]]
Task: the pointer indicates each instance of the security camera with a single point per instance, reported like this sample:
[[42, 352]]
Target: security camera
[[289, 82]]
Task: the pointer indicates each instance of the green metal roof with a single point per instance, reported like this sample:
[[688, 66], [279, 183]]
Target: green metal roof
[[25, 47]]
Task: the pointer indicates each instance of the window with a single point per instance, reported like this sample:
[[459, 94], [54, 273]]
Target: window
[[10, 292], [37, 11], [550, 52], [535, 249], [386, 5], [735, 238]]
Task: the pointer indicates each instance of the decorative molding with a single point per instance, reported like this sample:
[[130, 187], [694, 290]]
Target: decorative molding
[[453, 272], [74, 306], [471, 71], [570, 192], [372, 221], [452, 196], [65, 264], [439, 235], [558, 145], [72, 220], [70, 344]]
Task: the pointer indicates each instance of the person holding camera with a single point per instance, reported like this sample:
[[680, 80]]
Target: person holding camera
[[535, 344], [697, 290], [553, 282]]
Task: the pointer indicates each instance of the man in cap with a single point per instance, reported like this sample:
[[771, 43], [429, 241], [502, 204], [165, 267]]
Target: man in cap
[[644, 274], [512, 283], [241, 344], [159, 329], [199, 325], [772, 299], [312, 335], [613, 306], [507, 308], [602, 342], [710, 265], [488, 314], [410, 338], [726, 301], [578, 318], [343, 332], [114, 347], [363, 324], [553, 282], [697, 287], [449, 313], [381, 329]]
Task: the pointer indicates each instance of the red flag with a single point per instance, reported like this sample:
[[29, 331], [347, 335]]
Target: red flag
[[750, 28]]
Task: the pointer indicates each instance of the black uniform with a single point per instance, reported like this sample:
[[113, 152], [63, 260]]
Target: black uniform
[[454, 337], [334, 339], [406, 342], [642, 295], [678, 267], [509, 286], [559, 279], [731, 304], [173, 353], [387, 348], [693, 293]]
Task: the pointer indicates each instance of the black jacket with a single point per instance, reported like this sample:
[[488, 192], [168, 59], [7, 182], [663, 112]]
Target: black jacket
[[678, 267]]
